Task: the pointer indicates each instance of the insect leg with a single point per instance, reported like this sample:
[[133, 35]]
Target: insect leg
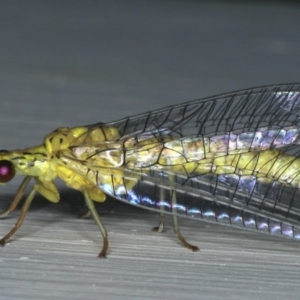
[[21, 218], [160, 227], [84, 215], [176, 227], [17, 197], [90, 204]]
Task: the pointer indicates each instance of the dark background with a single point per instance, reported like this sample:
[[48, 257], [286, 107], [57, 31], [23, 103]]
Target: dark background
[[68, 63]]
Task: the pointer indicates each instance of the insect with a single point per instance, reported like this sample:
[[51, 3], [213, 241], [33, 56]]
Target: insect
[[232, 159]]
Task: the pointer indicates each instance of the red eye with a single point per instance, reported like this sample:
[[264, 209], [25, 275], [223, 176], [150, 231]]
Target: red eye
[[7, 171]]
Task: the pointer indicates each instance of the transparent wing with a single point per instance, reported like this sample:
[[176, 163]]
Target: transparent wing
[[232, 159], [242, 111]]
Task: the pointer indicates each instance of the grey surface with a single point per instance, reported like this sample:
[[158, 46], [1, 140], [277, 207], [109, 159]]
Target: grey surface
[[80, 62]]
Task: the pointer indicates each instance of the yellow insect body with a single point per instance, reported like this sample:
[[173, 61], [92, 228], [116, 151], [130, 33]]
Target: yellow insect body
[[44, 163], [86, 158]]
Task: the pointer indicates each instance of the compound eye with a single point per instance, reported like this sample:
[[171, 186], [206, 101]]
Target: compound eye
[[7, 171]]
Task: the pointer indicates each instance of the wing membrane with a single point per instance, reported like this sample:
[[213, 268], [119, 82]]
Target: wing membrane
[[208, 159]]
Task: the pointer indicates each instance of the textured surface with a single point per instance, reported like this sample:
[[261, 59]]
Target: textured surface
[[77, 63]]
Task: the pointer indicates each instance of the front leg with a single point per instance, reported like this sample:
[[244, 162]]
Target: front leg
[[17, 198], [21, 218]]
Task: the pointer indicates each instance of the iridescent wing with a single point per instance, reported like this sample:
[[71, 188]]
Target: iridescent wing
[[167, 160]]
